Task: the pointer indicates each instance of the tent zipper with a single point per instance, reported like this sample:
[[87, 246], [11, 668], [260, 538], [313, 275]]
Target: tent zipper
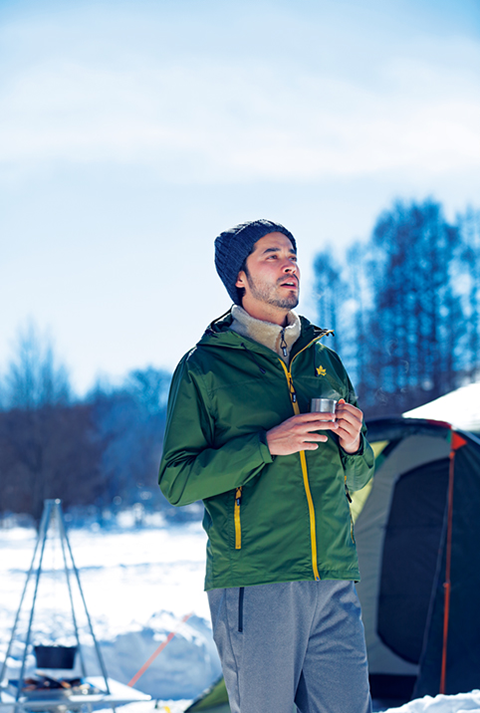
[[303, 461]]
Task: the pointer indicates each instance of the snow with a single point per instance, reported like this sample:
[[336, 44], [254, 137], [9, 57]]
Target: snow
[[442, 704], [461, 408], [138, 585]]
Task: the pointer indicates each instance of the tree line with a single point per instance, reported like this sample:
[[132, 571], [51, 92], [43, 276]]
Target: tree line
[[102, 450], [405, 306]]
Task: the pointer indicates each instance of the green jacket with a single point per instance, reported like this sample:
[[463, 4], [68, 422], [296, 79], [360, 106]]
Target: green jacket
[[268, 518]]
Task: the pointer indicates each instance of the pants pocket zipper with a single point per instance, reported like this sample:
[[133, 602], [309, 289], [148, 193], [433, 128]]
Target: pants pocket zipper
[[241, 594]]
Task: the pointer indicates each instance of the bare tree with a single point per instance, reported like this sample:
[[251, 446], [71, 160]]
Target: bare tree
[[412, 332], [416, 319], [129, 423], [34, 379], [469, 276], [34, 389], [331, 294]]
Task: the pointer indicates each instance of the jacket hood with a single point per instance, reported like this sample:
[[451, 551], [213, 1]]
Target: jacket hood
[[218, 333]]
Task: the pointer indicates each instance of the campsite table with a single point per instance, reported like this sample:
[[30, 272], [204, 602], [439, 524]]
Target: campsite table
[[120, 694]]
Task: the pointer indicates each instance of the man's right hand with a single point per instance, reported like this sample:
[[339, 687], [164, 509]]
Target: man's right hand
[[299, 433]]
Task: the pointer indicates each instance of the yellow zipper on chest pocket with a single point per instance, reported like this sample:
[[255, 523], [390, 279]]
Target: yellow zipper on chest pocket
[[236, 517]]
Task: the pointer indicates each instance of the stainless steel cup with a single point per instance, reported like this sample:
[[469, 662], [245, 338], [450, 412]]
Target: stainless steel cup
[[323, 406]]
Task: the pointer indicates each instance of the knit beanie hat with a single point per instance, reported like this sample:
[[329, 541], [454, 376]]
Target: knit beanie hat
[[233, 246]]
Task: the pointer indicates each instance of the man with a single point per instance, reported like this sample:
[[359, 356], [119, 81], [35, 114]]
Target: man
[[275, 481]]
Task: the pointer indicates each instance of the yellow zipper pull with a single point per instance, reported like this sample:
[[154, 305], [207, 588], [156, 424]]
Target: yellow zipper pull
[[236, 517], [293, 393]]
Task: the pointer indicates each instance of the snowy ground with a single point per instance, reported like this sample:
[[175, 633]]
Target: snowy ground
[[442, 704], [138, 584]]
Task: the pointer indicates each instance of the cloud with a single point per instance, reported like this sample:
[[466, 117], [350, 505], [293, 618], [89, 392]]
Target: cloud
[[197, 117]]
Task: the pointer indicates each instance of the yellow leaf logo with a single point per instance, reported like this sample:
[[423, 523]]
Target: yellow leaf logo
[[321, 371]]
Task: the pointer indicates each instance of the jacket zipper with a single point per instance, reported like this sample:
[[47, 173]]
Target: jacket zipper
[[347, 492], [303, 462], [236, 517]]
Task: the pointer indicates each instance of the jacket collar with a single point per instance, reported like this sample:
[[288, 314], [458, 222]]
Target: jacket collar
[[218, 333]]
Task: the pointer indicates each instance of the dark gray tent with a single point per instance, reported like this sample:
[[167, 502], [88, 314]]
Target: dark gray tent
[[418, 537]]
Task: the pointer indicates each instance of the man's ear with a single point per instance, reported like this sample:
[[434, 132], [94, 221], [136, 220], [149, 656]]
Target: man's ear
[[241, 279]]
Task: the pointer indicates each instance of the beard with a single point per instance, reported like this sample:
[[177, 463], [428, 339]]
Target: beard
[[269, 293]]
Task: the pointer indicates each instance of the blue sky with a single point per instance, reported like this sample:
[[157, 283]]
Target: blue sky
[[132, 133]]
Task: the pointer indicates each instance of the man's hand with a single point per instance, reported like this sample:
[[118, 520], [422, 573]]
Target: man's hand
[[299, 433], [349, 420]]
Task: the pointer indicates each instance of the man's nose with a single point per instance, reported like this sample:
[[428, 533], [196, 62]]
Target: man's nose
[[290, 266]]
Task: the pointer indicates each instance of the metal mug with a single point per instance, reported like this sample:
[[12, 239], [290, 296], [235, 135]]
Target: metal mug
[[323, 406]]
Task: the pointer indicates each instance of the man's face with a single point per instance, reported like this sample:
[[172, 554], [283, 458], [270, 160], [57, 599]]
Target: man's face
[[272, 278]]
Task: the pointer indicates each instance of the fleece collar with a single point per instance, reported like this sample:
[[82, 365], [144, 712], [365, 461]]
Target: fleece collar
[[278, 339]]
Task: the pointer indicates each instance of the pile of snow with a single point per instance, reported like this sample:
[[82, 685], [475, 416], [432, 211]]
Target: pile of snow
[[461, 408], [182, 670], [442, 704]]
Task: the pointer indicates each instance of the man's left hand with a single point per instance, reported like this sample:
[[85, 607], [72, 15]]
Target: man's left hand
[[349, 420]]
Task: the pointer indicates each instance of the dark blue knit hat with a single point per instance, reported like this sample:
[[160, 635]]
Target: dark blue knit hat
[[233, 247]]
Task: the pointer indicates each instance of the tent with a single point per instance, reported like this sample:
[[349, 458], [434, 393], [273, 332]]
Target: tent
[[213, 700], [417, 528]]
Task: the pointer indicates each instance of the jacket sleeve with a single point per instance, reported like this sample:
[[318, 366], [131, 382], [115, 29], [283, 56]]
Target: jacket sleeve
[[193, 467], [360, 466]]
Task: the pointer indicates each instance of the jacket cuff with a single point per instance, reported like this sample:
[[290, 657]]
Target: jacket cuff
[[264, 449], [365, 452], [360, 451]]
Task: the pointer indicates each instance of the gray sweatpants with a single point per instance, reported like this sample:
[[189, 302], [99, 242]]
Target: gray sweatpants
[[299, 642]]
